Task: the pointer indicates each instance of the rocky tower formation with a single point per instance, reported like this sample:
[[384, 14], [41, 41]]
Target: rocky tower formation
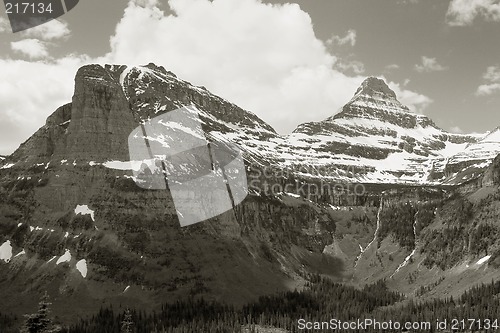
[[93, 127], [101, 119]]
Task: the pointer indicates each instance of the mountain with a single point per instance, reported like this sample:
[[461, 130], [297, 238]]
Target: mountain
[[72, 219], [372, 139], [479, 153], [375, 131], [374, 191]]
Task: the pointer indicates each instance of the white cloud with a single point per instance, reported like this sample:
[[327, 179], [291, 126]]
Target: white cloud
[[4, 25], [464, 12], [240, 50], [492, 84], [488, 89], [429, 65], [29, 92], [33, 48], [392, 67], [492, 74], [456, 129], [349, 38], [414, 101], [263, 57], [51, 30], [354, 66]]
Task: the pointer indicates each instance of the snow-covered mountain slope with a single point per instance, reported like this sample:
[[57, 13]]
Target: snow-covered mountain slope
[[372, 139], [472, 161], [482, 151], [382, 138]]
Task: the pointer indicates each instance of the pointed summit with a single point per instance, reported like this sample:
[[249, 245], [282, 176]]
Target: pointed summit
[[375, 94], [373, 86]]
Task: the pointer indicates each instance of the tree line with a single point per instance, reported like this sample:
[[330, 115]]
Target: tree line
[[321, 300]]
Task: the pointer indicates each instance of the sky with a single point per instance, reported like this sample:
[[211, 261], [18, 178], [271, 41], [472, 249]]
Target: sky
[[289, 62]]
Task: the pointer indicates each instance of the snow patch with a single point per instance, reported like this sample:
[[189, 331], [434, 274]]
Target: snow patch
[[7, 166], [118, 165], [52, 259], [66, 257], [483, 260], [123, 77], [82, 267], [125, 290], [6, 251], [20, 253], [84, 210]]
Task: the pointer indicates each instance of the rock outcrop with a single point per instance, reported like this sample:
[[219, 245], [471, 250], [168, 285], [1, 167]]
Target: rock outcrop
[[492, 175]]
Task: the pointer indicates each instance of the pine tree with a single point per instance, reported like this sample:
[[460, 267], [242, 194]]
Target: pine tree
[[40, 322], [127, 323]]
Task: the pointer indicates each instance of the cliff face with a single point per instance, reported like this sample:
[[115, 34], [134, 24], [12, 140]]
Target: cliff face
[[94, 127], [101, 119], [492, 175]]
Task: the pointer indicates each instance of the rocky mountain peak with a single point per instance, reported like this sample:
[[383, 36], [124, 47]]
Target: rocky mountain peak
[[374, 94], [375, 87]]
